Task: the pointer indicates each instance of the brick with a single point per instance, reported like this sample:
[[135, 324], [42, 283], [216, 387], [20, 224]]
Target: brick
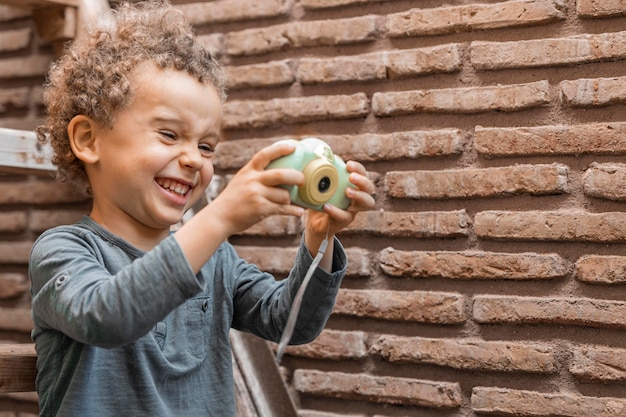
[[15, 252], [573, 226], [214, 43], [411, 224], [276, 225], [380, 65], [502, 401], [597, 269], [453, 19], [266, 258], [481, 182], [9, 13], [278, 111], [599, 8], [389, 390], [422, 61], [313, 413], [328, 4], [32, 66], [13, 221], [303, 34], [364, 147], [472, 265], [467, 354], [506, 98], [15, 40], [218, 11], [366, 67], [593, 92], [38, 192], [605, 181], [598, 363], [14, 98], [548, 52], [271, 74], [593, 138], [13, 285], [15, 319], [398, 145], [41, 220], [417, 306], [332, 345], [553, 310]]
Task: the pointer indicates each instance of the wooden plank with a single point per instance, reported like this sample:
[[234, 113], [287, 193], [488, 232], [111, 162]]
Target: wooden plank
[[21, 152], [18, 367], [39, 3]]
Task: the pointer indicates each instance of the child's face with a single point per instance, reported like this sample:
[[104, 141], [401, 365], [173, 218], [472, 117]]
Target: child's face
[[157, 159]]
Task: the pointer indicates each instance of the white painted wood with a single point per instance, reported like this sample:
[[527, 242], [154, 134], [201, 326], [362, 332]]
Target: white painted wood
[[20, 151]]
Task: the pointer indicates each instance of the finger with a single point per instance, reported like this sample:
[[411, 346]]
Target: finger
[[282, 176], [262, 158], [362, 182], [361, 200], [354, 166]]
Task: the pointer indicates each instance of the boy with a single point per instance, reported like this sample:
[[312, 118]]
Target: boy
[[130, 318]]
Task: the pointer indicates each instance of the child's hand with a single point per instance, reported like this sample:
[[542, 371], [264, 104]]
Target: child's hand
[[334, 219], [253, 193]]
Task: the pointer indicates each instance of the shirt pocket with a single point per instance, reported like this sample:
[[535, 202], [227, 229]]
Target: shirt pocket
[[199, 311]]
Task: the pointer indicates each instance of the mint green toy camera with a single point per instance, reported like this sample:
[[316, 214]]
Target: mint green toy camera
[[326, 176]]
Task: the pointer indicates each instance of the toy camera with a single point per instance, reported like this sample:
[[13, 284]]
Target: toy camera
[[325, 174]]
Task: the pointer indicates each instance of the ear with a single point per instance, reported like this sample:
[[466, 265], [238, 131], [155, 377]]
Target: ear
[[81, 131]]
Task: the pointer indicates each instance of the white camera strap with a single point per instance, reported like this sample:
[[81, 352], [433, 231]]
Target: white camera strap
[[297, 302]]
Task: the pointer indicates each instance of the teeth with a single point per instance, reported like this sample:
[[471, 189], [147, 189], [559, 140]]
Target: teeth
[[174, 186]]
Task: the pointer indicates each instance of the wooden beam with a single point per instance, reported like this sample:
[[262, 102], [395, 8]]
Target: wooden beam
[[18, 367], [21, 152], [39, 3]]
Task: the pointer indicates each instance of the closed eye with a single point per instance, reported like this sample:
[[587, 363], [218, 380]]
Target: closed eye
[[168, 134], [206, 149]]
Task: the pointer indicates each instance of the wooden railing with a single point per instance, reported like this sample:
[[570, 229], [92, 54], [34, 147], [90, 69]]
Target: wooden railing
[[17, 367]]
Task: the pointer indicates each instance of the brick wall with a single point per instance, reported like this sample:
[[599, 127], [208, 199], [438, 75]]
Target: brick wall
[[491, 278]]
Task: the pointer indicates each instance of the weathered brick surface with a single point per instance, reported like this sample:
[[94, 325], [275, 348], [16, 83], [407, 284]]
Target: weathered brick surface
[[598, 363], [593, 138], [472, 265], [495, 135], [12, 285], [462, 100], [599, 8], [201, 13], [499, 401], [467, 354], [418, 225], [302, 34], [485, 182], [452, 19], [594, 92], [417, 306], [333, 345], [254, 114], [601, 269], [552, 52], [550, 310], [378, 389], [552, 226], [604, 181]]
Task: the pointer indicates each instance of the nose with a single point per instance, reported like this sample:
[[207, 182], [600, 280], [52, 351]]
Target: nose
[[191, 157]]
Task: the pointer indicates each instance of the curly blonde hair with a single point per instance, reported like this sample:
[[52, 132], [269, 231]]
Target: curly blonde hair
[[92, 77]]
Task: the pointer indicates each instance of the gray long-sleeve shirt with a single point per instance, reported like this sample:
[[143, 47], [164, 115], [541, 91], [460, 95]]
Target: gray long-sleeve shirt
[[122, 332]]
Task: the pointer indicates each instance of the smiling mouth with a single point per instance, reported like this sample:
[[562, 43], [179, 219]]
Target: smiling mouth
[[173, 186]]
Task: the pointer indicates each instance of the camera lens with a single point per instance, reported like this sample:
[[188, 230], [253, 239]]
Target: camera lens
[[324, 185]]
